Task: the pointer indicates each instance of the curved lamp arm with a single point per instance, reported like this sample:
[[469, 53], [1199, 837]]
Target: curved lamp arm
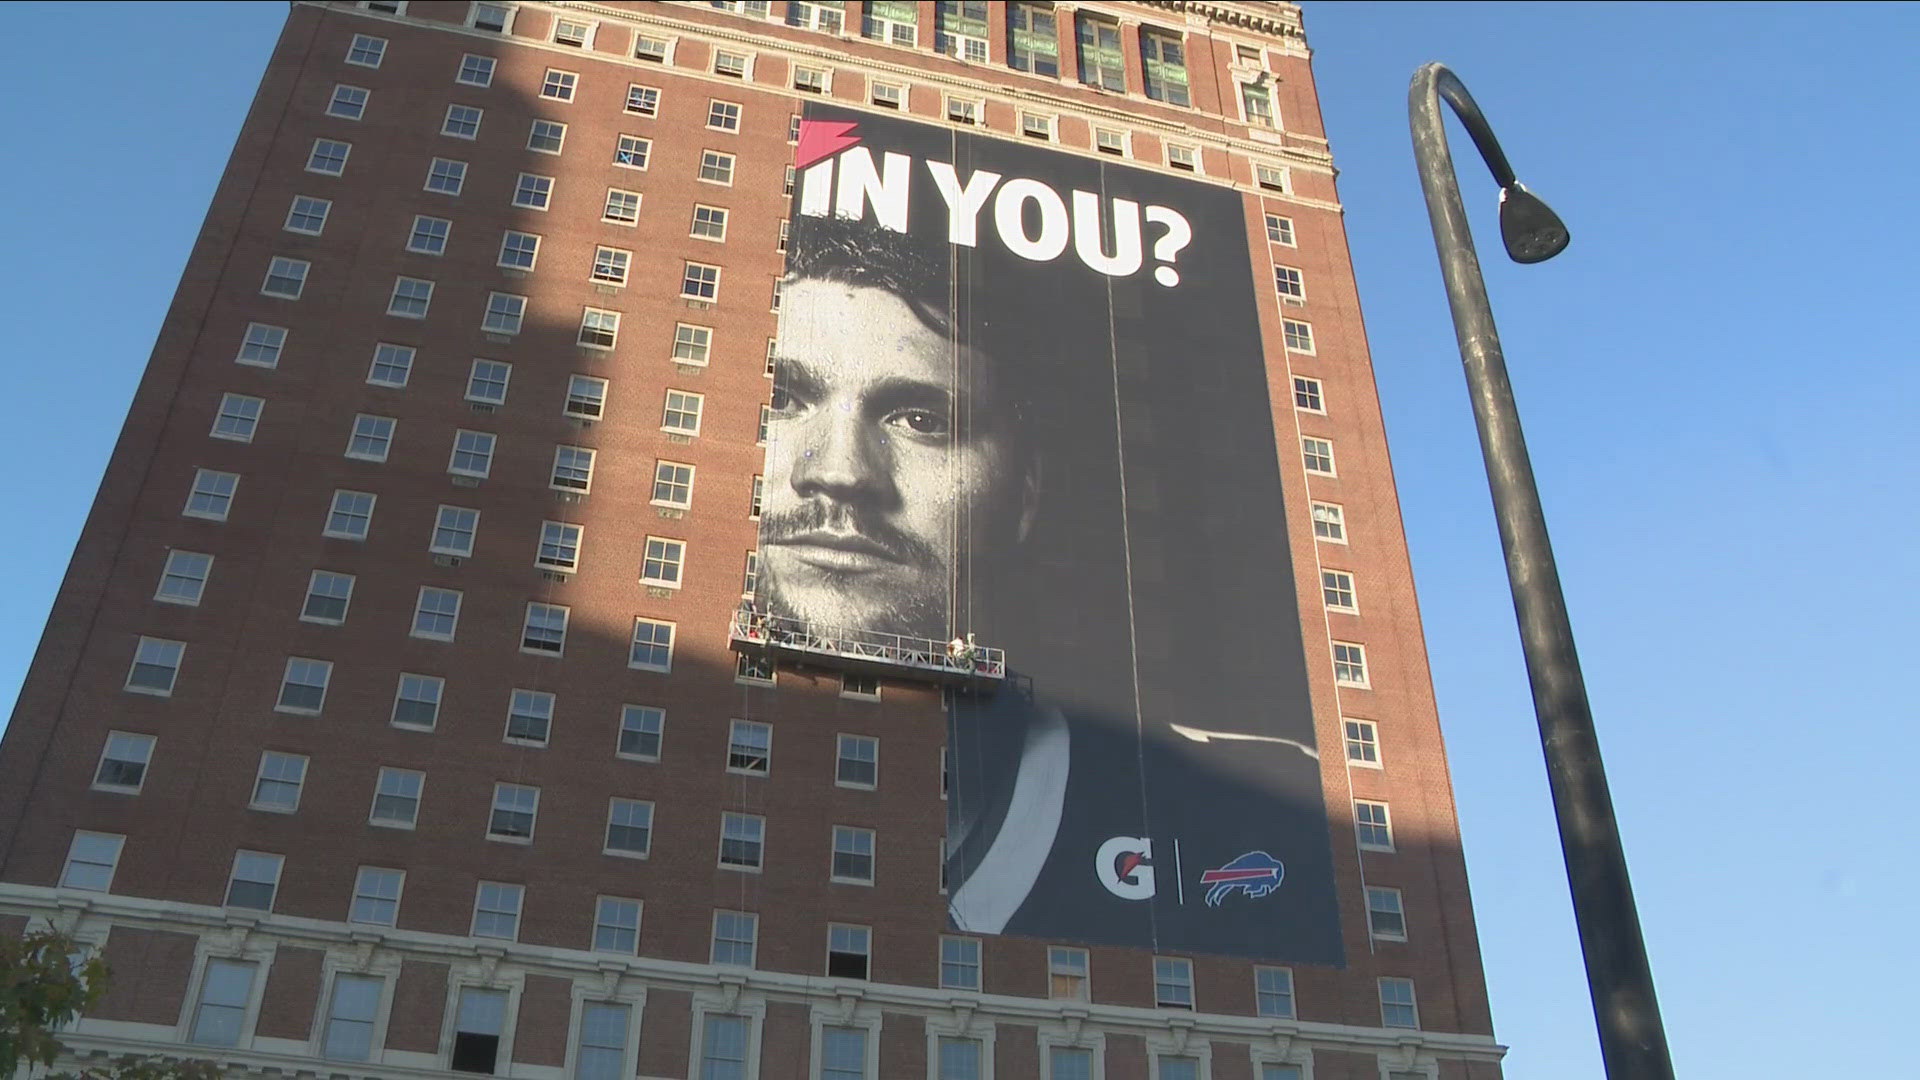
[[1633, 1042]]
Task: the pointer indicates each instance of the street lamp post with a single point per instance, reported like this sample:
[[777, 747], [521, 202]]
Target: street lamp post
[[1633, 1043]]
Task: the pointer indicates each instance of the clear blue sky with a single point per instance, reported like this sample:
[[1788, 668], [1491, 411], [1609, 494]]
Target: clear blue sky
[[1717, 383]]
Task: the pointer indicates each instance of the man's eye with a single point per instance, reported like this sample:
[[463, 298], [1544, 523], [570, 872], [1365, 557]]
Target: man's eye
[[922, 421]]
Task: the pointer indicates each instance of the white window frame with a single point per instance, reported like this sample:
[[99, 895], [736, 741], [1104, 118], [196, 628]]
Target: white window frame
[[266, 858], [437, 613], [439, 686], [1320, 444], [236, 410], [534, 185], [169, 571], [638, 92], [1357, 659], [827, 957], [379, 785], [281, 762], [679, 476], [356, 106], [191, 1005], [526, 624], [1391, 902], [728, 818], [1370, 740], [314, 583], [622, 194], [564, 84], [515, 806], [745, 74], [562, 537], [146, 745], [218, 479], [1182, 157], [455, 171], [673, 637], [360, 891], [1282, 224], [1335, 522], [389, 355], [519, 894], [1385, 824], [841, 742], [900, 92], [365, 43], [119, 845], [1412, 1003], [539, 131], [443, 235], [1260, 994], [474, 379], [662, 55], [509, 11], [853, 834], [254, 345], [606, 842], [639, 922], [282, 268], [714, 158], [640, 715], [325, 670], [440, 525], [334, 508], [460, 73], [1338, 591], [308, 206], [313, 155]]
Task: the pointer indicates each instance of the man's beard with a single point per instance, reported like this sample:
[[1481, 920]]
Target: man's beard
[[857, 600]]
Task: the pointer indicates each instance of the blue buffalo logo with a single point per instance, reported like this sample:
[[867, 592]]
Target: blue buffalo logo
[[1256, 873]]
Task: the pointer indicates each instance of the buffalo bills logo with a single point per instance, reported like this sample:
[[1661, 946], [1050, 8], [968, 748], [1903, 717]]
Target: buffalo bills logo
[[1256, 873]]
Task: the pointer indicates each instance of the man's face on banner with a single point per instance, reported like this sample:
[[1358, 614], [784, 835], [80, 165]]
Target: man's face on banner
[[873, 480]]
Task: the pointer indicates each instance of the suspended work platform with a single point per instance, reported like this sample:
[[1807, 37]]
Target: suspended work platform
[[958, 663]]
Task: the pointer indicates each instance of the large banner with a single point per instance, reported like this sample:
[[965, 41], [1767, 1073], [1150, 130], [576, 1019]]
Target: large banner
[[1020, 395]]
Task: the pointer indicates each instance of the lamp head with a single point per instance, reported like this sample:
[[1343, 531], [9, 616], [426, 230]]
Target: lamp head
[[1531, 230]]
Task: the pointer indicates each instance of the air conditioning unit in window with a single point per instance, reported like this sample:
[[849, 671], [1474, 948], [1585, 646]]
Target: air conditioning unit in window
[[481, 407], [466, 481], [700, 305], [567, 496], [446, 560], [554, 575], [581, 422]]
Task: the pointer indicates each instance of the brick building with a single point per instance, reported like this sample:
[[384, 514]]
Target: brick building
[[370, 734]]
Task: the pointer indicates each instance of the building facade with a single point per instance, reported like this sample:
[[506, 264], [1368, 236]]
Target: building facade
[[390, 720]]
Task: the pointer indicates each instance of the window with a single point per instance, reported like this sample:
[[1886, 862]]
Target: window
[[1329, 523], [723, 115], [1273, 991], [533, 191], [307, 215], [211, 495], [480, 1016], [852, 855], [960, 963], [1349, 664], [1318, 455], [958, 1058], [286, 278], [1101, 63], [559, 85], [716, 167], [91, 860], [475, 71], [351, 1011], [963, 110], [237, 418], [643, 100], [453, 531], [529, 717], [742, 841], [1069, 1063], [1256, 103], [858, 762], [709, 223], [700, 281], [672, 484], [629, 827], [1172, 982], [392, 364], [1289, 283], [436, 614], [652, 648], [123, 762], [1032, 42], [350, 516], [849, 950], [749, 747], [226, 988], [446, 177], [623, 207], [366, 51], [411, 298], [518, 250], [376, 896], [586, 398], [348, 102], [734, 934], [731, 64], [1336, 588], [303, 686], [261, 346], [254, 881], [662, 563], [545, 629], [515, 806], [1067, 973], [1386, 920], [843, 1053], [396, 798], [610, 265], [640, 732], [810, 80], [786, 229], [504, 313], [1183, 158], [416, 702], [276, 786], [559, 546], [1372, 826], [328, 595], [888, 95], [1279, 230], [328, 157], [1397, 1006], [1163, 62], [648, 47], [825, 16], [546, 136], [692, 344], [895, 22], [1109, 141], [602, 1054], [1363, 742], [1271, 177], [1306, 394], [778, 287], [429, 235], [184, 578], [494, 18], [487, 382], [1036, 126], [786, 185], [616, 926], [462, 122], [599, 328], [756, 669], [1298, 335], [960, 29], [156, 664]]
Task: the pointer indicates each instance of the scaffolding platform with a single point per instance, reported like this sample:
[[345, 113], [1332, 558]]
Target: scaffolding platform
[[866, 652]]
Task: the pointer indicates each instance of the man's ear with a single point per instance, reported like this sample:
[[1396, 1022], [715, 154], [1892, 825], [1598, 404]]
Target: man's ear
[[1029, 499]]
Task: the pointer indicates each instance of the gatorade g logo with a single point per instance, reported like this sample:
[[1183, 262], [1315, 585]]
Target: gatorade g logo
[[1125, 866]]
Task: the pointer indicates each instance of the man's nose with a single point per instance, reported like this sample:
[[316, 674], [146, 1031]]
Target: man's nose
[[841, 457]]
